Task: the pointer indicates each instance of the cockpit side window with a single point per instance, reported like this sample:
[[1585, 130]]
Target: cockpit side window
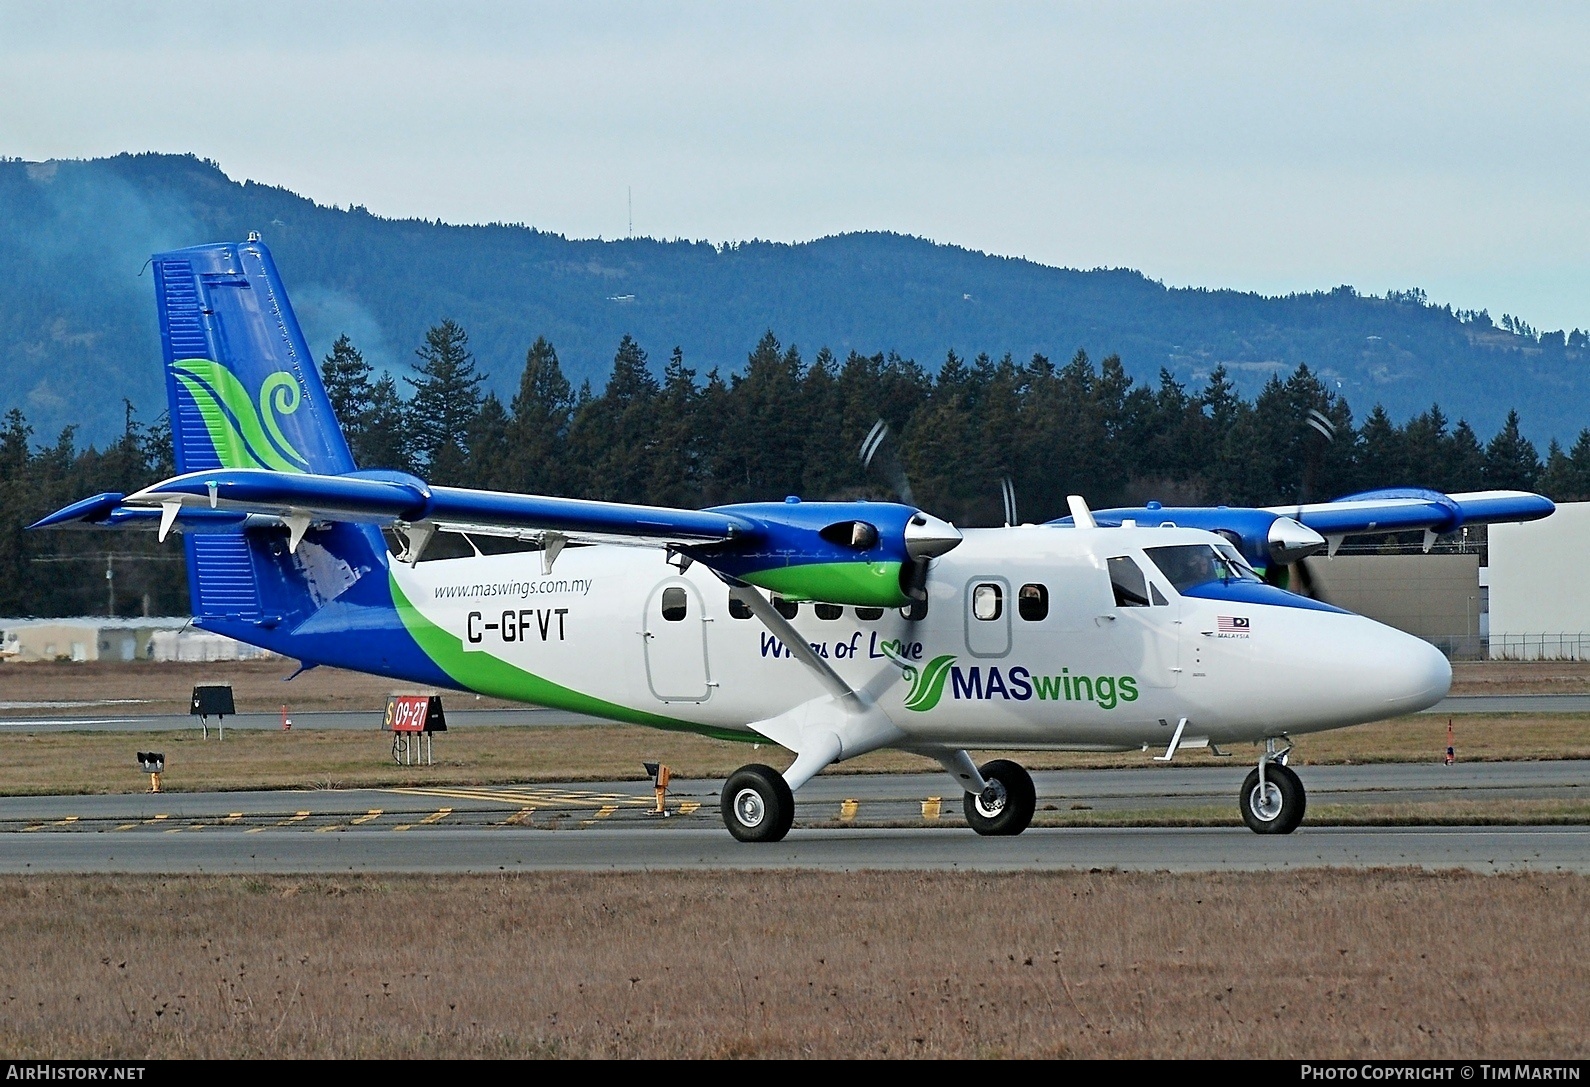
[[1131, 587], [1191, 565], [1157, 596]]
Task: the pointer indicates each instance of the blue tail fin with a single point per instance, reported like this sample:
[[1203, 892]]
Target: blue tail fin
[[244, 392], [241, 384]]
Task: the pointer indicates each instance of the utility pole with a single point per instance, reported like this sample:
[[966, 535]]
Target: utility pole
[[629, 190]]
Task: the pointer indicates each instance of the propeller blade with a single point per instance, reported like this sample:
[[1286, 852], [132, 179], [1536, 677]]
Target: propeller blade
[[1008, 490], [888, 465], [1306, 584]]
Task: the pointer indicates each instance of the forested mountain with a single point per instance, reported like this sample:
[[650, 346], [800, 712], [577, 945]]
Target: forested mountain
[[77, 328], [783, 425]]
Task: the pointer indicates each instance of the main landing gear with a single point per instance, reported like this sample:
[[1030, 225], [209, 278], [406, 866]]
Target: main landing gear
[[1005, 806], [757, 804], [1272, 798]]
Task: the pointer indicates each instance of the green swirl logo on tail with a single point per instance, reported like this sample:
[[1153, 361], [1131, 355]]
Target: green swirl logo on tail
[[245, 436], [927, 686]]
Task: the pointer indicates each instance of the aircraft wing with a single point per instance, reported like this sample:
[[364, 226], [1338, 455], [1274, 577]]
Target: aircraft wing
[[227, 497], [1413, 509], [863, 553]]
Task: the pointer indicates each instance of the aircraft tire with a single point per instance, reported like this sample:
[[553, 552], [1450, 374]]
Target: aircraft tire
[[1283, 810], [757, 804], [1010, 816]]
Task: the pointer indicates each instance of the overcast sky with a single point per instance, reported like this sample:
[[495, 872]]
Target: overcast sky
[[1272, 147]]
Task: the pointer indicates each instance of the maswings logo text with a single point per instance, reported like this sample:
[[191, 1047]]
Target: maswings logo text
[[1017, 683]]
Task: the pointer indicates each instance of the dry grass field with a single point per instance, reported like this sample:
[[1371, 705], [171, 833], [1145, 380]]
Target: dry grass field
[[102, 762], [165, 687], [1347, 965]]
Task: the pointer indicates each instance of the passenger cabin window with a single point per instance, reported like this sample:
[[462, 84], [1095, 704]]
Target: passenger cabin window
[[914, 612], [787, 608], [1131, 587], [674, 604], [988, 603], [828, 611], [1032, 602], [739, 609], [1157, 596], [868, 615]]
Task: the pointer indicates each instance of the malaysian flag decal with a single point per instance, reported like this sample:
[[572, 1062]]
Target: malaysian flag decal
[[1233, 624]]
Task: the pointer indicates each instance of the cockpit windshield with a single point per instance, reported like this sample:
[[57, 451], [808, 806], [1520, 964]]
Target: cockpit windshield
[[1191, 565]]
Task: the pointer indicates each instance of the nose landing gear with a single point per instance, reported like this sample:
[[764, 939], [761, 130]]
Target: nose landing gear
[[1272, 800]]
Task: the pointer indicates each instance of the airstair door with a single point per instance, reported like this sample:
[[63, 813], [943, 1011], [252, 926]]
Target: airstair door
[[676, 643]]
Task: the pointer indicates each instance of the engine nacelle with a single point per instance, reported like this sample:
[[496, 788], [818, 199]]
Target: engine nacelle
[[867, 554]]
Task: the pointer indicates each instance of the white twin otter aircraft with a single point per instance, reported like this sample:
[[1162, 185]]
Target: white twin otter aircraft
[[828, 628]]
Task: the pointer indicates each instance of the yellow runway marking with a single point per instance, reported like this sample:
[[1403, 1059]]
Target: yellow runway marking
[[435, 817], [847, 810], [932, 807], [127, 826], [689, 806], [522, 816], [68, 821], [369, 817], [603, 813], [298, 817], [561, 798]]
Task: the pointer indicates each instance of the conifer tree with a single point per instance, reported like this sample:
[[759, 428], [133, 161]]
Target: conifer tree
[[539, 429], [446, 400], [1510, 459], [346, 376], [613, 436], [384, 441]]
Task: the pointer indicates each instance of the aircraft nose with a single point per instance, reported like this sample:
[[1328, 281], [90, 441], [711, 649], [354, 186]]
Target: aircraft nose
[[1413, 674]]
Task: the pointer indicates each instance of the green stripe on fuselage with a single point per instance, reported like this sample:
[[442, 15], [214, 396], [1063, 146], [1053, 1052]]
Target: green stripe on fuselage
[[485, 674], [874, 584]]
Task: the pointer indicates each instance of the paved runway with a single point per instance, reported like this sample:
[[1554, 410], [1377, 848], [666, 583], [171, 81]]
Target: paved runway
[[843, 822]]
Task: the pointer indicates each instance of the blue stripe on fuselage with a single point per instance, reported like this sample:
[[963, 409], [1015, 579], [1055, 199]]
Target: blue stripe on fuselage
[[1252, 592]]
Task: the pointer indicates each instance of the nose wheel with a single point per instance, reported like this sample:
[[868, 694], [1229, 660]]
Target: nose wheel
[[1276, 804]]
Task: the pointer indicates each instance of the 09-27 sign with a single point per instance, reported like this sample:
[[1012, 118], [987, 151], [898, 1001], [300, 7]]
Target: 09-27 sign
[[414, 713]]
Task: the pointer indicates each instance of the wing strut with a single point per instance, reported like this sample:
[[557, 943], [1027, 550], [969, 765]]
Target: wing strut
[[831, 680]]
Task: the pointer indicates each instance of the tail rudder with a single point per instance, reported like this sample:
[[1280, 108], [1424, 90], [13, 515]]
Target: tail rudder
[[241, 385], [244, 392]]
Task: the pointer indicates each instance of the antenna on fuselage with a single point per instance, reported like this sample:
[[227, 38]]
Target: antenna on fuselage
[[1081, 516]]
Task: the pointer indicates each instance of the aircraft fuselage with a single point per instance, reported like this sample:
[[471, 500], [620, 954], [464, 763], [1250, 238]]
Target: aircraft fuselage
[[621, 632]]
